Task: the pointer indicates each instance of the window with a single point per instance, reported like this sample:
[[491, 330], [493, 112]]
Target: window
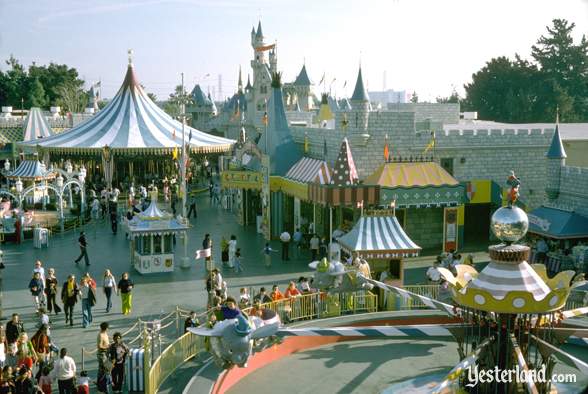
[[447, 164], [263, 89]]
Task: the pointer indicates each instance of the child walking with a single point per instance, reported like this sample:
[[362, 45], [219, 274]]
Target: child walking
[[237, 261]]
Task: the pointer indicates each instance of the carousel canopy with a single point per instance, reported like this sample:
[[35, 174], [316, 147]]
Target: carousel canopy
[[499, 279], [379, 237], [153, 212], [32, 170], [307, 170], [132, 122], [154, 221], [36, 126]]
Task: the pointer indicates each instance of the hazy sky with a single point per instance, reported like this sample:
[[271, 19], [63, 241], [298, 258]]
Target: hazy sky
[[423, 45]]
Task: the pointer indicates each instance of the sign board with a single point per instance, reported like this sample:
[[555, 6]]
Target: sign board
[[450, 229], [231, 179]]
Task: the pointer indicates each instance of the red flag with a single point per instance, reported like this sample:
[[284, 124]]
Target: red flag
[[386, 153]]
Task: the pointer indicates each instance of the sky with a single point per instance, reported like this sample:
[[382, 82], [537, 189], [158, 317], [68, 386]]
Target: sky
[[427, 46]]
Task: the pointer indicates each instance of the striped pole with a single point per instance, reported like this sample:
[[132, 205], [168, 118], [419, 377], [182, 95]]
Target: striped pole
[[530, 384], [430, 302], [456, 372], [575, 312], [546, 347], [419, 331]]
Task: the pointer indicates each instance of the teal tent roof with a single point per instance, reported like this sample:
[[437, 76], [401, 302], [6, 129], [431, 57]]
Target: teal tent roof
[[359, 93], [302, 78], [556, 149], [278, 143], [558, 224]]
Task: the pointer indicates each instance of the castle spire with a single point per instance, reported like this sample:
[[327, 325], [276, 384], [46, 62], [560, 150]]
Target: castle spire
[[556, 149], [359, 93], [240, 83], [259, 31]]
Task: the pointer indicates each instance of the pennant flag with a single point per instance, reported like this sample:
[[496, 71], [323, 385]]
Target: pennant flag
[[203, 253], [345, 84], [386, 152], [322, 79], [305, 143], [265, 119], [325, 149], [175, 153], [431, 144]]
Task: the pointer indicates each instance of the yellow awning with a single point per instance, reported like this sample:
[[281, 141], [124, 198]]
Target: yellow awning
[[410, 174]]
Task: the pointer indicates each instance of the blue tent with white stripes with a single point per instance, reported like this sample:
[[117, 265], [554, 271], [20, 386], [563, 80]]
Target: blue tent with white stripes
[[36, 126], [131, 122]]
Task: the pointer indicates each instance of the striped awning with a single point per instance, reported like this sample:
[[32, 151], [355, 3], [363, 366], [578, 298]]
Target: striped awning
[[131, 122], [500, 278], [410, 174], [36, 126], [32, 170], [307, 170], [379, 237], [344, 195]]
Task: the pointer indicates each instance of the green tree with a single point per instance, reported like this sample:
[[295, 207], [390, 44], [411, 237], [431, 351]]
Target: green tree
[[565, 64], [414, 98], [152, 97], [173, 106], [36, 94], [71, 97], [453, 98]]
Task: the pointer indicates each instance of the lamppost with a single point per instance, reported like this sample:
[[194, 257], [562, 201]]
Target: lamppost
[[18, 185], [69, 170], [185, 261], [1, 284]]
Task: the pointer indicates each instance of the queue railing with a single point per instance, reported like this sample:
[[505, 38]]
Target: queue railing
[[303, 307]]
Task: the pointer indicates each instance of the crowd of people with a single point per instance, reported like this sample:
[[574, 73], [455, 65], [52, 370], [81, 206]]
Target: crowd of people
[[36, 364]]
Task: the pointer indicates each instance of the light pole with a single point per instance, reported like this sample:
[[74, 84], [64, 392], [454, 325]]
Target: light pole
[[59, 183], [184, 260], [18, 185], [1, 284], [82, 179], [69, 170]]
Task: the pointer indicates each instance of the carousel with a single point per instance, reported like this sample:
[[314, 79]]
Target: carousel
[[127, 139], [152, 239]]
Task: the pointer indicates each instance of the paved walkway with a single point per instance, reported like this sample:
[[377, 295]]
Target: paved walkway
[[155, 294]]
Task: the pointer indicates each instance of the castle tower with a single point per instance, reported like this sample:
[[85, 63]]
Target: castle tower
[[240, 83], [359, 114], [556, 159], [260, 91], [302, 87]]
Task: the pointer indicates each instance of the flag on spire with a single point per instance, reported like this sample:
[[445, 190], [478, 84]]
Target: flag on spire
[[265, 119], [305, 143], [175, 153], [386, 150]]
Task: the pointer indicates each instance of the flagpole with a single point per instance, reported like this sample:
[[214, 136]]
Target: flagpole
[[185, 263]]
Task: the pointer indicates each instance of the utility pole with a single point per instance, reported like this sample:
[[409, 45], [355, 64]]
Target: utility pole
[[183, 188]]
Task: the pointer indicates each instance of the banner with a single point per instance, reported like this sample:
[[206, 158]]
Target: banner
[[231, 179], [203, 253], [265, 48], [450, 229]]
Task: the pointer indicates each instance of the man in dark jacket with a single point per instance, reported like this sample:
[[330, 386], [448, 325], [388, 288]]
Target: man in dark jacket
[[14, 328], [83, 249]]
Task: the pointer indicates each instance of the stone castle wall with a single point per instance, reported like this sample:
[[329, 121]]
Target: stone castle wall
[[573, 192], [476, 154]]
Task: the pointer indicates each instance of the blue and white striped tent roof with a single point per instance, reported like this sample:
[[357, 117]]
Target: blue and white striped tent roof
[[36, 126], [32, 170], [131, 122], [379, 237]]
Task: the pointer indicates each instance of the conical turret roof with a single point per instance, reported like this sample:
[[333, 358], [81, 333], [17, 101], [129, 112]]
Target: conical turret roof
[[36, 126], [360, 93], [302, 78], [556, 149], [278, 143]]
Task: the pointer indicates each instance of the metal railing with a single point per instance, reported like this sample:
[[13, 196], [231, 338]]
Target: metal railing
[[304, 307], [431, 291]]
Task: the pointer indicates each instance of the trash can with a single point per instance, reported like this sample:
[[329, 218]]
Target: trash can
[[135, 378]]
